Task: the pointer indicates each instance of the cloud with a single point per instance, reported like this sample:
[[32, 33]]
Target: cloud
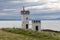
[[49, 5], [9, 9], [51, 1], [3, 14], [52, 6], [48, 8], [31, 0], [23, 1], [7, 14], [51, 17], [15, 1], [12, 11], [45, 17]]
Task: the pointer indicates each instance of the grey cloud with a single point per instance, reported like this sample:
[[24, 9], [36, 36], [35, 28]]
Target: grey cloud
[[4, 4]]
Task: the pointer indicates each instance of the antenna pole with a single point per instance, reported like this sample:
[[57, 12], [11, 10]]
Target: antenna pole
[[23, 8]]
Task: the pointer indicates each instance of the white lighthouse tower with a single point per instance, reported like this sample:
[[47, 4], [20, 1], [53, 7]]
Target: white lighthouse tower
[[25, 18]]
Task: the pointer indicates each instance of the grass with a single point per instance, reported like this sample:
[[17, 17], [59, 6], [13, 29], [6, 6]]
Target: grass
[[23, 34], [13, 36]]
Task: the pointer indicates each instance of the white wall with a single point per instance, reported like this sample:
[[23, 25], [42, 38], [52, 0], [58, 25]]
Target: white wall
[[36, 24], [24, 21]]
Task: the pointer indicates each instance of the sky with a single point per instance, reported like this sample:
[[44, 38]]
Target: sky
[[39, 9]]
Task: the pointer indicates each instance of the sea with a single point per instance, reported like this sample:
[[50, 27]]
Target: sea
[[45, 24]]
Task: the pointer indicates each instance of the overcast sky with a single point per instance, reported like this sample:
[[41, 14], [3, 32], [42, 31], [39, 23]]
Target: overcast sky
[[39, 9]]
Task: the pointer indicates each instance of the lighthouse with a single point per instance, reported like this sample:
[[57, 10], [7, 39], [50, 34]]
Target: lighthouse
[[25, 18]]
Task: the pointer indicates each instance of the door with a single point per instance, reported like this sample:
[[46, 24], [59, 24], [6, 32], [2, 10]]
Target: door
[[26, 26], [36, 28]]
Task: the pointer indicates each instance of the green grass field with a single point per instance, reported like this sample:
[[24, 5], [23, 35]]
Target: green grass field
[[23, 34]]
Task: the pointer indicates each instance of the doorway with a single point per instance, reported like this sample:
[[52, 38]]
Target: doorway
[[26, 26], [36, 28]]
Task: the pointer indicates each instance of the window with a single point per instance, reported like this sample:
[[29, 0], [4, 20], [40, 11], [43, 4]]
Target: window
[[34, 21], [27, 18]]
